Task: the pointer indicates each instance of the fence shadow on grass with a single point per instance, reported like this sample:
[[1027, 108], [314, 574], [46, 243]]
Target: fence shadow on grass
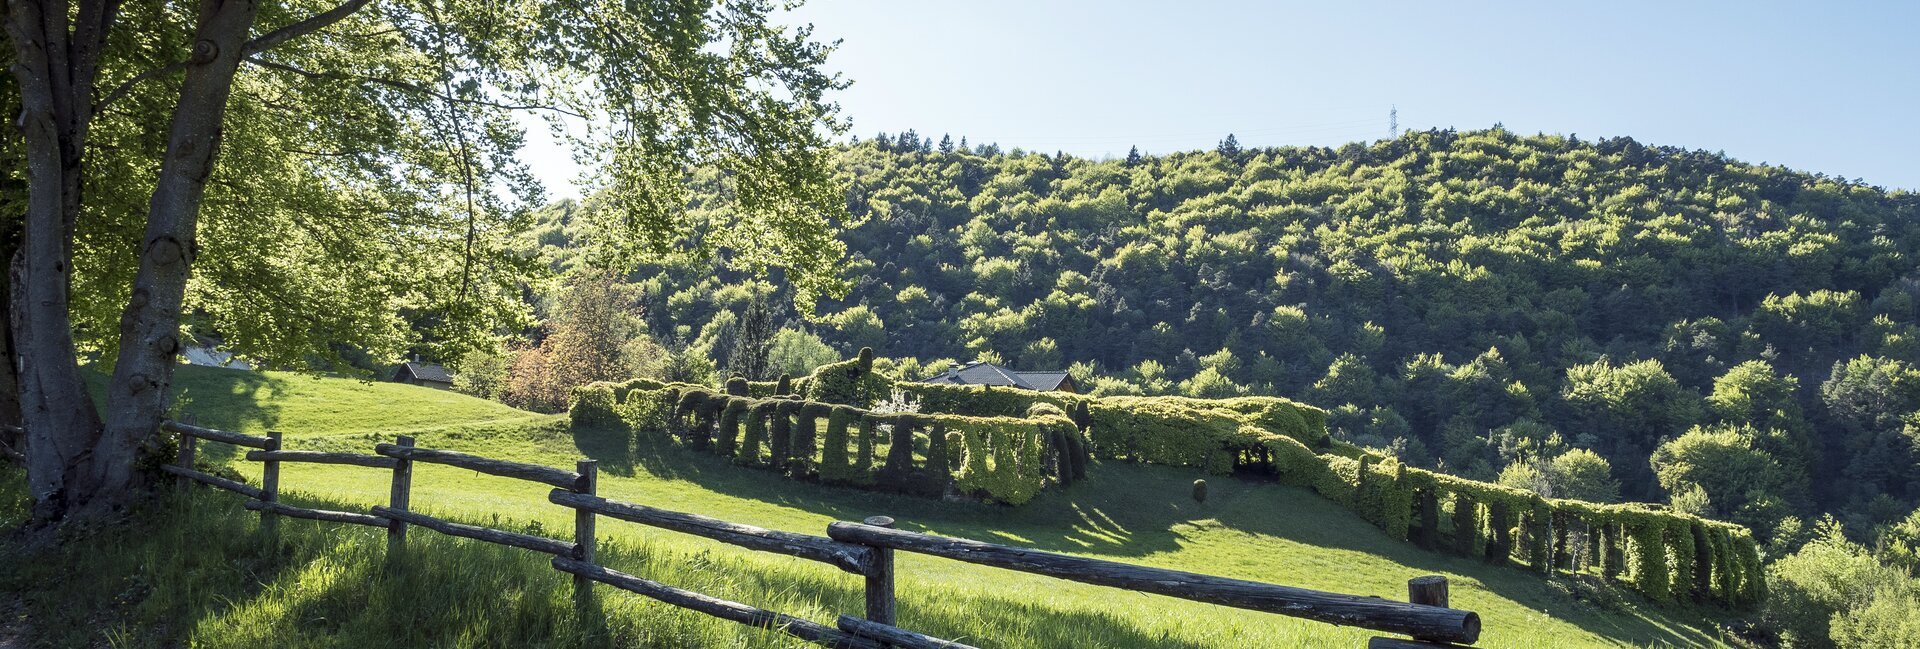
[[1124, 511], [223, 582]]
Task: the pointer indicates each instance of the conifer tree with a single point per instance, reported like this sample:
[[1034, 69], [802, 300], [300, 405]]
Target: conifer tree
[[1230, 147], [753, 342]]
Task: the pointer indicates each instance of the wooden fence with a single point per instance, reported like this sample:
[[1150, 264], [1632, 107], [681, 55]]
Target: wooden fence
[[865, 549]]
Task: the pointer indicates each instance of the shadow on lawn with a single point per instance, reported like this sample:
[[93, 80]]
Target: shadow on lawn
[[214, 397], [1129, 512], [227, 583]]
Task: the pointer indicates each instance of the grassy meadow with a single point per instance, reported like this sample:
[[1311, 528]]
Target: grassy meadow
[[197, 569]]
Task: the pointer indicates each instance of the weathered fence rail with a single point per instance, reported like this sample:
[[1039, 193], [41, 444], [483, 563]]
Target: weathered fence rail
[[850, 557], [516, 470], [864, 549], [1419, 621]]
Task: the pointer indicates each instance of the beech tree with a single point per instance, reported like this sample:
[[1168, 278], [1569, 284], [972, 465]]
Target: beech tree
[[343, 175]]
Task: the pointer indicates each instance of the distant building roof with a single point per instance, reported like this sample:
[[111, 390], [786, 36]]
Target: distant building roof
[[210, 357], [983, 373], [426, 372], [1045, 381]]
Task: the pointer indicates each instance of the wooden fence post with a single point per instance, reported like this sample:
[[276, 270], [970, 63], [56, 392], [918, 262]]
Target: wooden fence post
[[589, 471], [1430, 590], [400, 499], [270, 485], [880, 579], [188, 444]]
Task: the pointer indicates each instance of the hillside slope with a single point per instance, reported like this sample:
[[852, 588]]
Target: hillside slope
[[1125, 512], [1473, 301]]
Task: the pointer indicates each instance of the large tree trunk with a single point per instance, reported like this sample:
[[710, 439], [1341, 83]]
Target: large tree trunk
[[55, 62], [12, 436], [150, 326]]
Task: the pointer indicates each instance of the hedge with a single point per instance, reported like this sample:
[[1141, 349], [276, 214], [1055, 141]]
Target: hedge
[[1002, 456], [1006, 445], [1017, 457], [850, 382], [756, 433], [836, 465], [727, 438]]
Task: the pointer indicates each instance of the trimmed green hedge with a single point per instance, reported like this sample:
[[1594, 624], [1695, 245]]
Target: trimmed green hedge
[[850, 382], [1013, 459], [1002, 456], [1006, 445]]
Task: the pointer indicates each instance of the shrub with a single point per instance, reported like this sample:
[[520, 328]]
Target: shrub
[[939, 469], [1648, 551], [1076, 453], [834, 465], [780, 433], [647, 410], [1002, 456], [806, 432], [863, 461], [1466, 525], [900, 448], [756, 432], [851, 382], [592, 406], [727, 438], [1161, 430]]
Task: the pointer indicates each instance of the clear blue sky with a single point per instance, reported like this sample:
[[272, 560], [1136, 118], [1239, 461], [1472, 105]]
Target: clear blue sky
[[1829, 87]]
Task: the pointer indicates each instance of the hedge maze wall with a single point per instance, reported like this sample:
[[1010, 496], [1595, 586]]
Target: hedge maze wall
[[1006, 459], [1007, 445]]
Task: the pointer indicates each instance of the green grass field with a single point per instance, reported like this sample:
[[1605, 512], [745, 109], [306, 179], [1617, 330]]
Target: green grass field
[[197, 569]]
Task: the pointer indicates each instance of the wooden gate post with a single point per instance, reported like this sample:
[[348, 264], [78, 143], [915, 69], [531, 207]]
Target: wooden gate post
[[880, 579], [583, 531], [188, 445], [270, 485], [400, 499]]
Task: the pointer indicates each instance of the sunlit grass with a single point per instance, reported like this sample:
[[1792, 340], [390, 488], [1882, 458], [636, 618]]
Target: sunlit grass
[[203, 566]]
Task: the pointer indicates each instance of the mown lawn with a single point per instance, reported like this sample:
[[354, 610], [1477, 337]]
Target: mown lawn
[[197, 568]]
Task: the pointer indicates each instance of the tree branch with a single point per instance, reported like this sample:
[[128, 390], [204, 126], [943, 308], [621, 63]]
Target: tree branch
[[252, 47], [127, 86], [311, 24], [407, 86]]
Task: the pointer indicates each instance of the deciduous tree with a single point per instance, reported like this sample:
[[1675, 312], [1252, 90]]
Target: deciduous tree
[[297, 174]]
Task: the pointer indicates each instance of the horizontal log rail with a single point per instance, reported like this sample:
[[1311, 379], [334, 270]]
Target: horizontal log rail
[[217, 481], [727, 610], [323, 457], [317, 514], [1403, 643], [519, 470], [853, 558], [894, 636], [523, 541], [864, 549], [235, 439], [1417, 620]]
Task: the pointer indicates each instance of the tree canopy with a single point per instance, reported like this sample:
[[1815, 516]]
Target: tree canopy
[[1478, 299], [321, 184]]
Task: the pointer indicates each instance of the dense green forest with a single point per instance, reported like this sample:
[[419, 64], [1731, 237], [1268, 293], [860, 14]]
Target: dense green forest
[[1600, 319]]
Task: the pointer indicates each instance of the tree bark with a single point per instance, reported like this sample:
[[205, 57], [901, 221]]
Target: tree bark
[[150, 325], [56, 62]]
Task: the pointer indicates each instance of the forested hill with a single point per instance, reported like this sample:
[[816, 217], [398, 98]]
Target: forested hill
[[1718, 332]]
